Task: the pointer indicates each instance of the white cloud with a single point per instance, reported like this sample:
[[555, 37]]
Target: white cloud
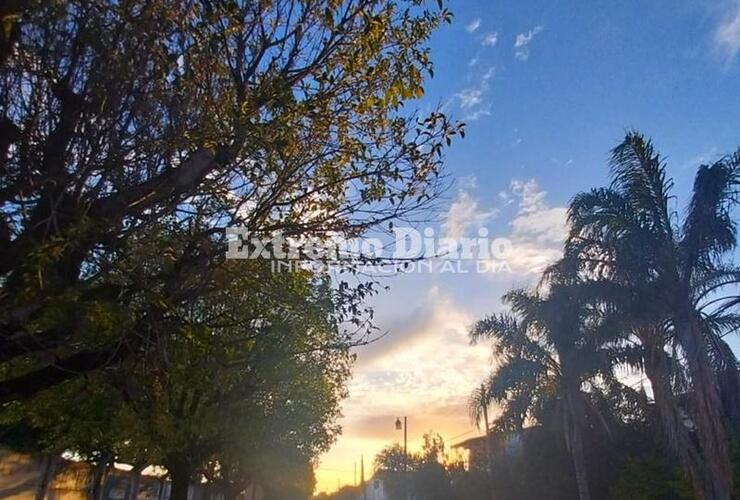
[[727, 34], [537, 230], [463, 213], [468, 181], [505, 198], [560, 163], [490, 39], [478, 114], [531, 197], [401, 376], [473, 62], [473, 25], [473, 99], [521, 44], [546, 225]]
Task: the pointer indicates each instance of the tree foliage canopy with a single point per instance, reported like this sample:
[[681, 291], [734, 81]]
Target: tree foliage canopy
[[278, 115]]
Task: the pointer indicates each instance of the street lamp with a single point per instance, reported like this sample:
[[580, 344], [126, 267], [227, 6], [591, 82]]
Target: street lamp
[[403, 426]]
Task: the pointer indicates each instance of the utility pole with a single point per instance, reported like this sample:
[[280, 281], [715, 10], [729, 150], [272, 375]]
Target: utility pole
[[354, 481], [405, 443], [405, 452], [362, 477]]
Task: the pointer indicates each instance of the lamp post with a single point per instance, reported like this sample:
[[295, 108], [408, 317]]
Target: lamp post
[[403, 426]]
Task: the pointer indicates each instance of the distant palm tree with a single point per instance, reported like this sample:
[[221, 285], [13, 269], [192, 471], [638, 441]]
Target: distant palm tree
[[547, 348], [478, 407], [671, 283]]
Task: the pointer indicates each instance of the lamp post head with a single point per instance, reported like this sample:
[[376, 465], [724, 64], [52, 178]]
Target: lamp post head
[[399, 425]]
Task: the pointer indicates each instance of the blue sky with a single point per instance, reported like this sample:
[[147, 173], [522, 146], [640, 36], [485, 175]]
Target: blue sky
[[546, 88]]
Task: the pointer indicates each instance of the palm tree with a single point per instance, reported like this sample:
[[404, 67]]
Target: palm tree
[[478, 406], [670, 278], [547, 348]]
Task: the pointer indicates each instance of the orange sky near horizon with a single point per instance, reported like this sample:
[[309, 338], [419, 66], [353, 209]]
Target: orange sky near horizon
[[408, 376]]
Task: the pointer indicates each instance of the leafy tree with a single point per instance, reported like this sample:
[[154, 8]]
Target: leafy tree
[[238, 367], [279, 115], [432, 480], [264, 349], [670, 280], [420, 475]]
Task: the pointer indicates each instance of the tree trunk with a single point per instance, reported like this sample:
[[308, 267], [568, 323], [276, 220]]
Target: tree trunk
[[574, 439], [488, 438], [180, 472], [47, 472], [672, 423], [579, 463], [489, 461], [99, 475], [705, 410]]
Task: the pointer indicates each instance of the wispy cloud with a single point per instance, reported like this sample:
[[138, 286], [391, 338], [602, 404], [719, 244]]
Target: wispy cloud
[[522, 42], [560, 163], [531, 197], [537, 230], [478, 113], [472, 99], [727, 33], [490, 39], [473, 25], [464, 213]]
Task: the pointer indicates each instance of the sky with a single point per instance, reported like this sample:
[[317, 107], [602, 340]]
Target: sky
[[546, 89]]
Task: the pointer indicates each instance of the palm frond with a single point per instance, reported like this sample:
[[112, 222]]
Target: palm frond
[[479, 400], [514, 376], [639, 173], [709, 228]]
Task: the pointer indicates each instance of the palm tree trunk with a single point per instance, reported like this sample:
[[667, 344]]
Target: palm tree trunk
[[489, 458], [657, 370], [705, 409], [488, 440], [579, 464], [574, 441]]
